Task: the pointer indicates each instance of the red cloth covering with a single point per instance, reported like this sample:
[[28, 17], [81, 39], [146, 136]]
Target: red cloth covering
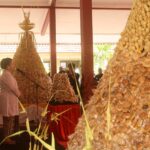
[[66, 123]]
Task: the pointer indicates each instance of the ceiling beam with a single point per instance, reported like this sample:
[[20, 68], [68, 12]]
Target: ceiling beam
[[17, 6], [59, 7], [53, 3], [98, 8], [45, 23]]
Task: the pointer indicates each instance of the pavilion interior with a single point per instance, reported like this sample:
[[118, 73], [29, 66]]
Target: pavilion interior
[[109, 19]]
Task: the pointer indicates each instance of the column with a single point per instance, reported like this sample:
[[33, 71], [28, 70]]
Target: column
[[86, 48], [52, 24]]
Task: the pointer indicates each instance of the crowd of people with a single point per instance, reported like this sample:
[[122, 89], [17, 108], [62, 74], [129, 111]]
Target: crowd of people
[[9, 94], [74, 77]]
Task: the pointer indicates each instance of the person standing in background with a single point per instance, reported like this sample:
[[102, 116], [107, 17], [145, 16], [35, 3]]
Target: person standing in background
[[9, 94], [73, 77], [61, 70], [99, 75], [97, 78]]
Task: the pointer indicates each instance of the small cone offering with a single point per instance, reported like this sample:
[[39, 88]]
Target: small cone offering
[[119, 112], [31, 76], [62, 90]]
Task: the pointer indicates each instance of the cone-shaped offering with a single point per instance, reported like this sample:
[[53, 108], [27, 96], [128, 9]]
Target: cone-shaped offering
[[119, 112], [31, 76], [62, 90]]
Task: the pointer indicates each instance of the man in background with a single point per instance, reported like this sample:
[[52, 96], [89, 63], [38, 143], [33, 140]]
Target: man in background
[[73, 77], [99, 75]]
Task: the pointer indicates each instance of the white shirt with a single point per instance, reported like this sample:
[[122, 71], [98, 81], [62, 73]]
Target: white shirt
[[8, 95]]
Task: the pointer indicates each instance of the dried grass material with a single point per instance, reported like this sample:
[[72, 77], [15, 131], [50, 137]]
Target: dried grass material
[[27, 59], [62, 89], [129, 70]]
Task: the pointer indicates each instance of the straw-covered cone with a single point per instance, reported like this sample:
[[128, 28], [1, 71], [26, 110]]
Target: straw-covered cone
[[62, 90], [128, 77], [32, 80]]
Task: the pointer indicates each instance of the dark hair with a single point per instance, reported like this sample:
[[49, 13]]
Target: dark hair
[[5, 62]]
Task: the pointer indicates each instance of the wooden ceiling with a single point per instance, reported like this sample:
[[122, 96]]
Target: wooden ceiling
[[67, 3]]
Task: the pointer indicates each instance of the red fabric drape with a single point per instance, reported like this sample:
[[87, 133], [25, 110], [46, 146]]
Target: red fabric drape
[[66, 123]]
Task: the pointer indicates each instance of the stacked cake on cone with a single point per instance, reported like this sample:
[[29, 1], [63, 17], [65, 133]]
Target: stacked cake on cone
[[31, 76], [62, 90], [125, 85]]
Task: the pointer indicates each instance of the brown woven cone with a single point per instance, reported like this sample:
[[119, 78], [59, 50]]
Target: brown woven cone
[[33, 80], [62, 90], [128, 77]]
